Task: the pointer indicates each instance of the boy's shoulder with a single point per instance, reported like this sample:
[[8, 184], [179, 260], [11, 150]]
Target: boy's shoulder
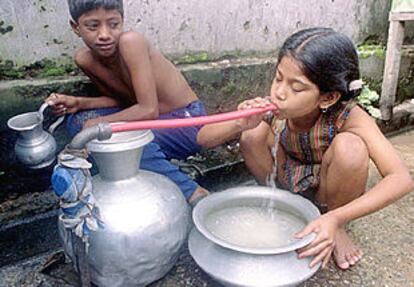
[[83, 57], [133, 38]]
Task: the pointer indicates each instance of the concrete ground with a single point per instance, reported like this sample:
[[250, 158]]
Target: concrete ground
[[387, 238]]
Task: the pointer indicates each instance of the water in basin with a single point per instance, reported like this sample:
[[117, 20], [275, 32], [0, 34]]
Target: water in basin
[[254, 226]]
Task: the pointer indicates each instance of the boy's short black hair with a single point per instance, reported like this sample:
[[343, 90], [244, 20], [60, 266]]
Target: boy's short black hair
[[79, 7]]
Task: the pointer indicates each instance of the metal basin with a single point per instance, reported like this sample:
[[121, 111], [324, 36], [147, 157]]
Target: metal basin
[[235, 265]]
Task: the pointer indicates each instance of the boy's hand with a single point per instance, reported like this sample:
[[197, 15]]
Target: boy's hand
[[322, 246], [62, 104], [252, 121]]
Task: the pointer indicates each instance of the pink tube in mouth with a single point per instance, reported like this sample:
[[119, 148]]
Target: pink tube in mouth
[[186, 122]]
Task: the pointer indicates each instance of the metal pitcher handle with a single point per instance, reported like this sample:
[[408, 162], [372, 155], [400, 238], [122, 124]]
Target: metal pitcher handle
[[53, 126]]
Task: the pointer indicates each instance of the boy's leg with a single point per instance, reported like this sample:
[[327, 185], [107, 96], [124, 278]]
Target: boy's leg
[[344, 174], [179, 143], [255, 146], [154, 159]]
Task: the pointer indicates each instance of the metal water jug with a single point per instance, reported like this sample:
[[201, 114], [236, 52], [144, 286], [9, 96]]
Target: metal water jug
[[146, 218], [233, 264], [35, 147]]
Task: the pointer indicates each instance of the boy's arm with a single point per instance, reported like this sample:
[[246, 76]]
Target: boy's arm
[[105, 100], [62, 103], [396, 181], [134, 52]]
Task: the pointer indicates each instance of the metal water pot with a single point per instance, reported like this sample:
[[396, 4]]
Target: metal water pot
[[35, 147], [146, 218], [235, 265]]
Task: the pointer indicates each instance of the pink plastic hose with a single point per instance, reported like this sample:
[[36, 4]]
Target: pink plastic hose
[[185, 122]]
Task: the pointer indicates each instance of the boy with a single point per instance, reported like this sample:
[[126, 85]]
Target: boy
[[135, 82]]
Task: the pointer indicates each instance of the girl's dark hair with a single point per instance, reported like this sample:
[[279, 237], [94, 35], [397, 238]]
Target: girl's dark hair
[[79, 7], [327, 58]]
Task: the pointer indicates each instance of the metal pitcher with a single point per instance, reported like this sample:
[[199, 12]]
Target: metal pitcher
[[35, 147]]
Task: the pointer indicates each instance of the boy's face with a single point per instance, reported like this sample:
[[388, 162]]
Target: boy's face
[[100, 30]]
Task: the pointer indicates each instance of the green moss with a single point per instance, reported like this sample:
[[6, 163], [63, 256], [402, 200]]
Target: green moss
[[203, 57], [367, 50], [193, 58], [53, 72], [39, 69], [231, 88]]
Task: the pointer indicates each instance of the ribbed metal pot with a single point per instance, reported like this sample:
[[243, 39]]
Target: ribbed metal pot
[[234, 265], [145, 214]]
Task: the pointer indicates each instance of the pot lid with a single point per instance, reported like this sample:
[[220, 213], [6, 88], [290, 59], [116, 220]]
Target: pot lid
[[121, 141]]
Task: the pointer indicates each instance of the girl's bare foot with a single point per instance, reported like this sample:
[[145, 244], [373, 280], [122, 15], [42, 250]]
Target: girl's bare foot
[[198, 194], [346, 253]]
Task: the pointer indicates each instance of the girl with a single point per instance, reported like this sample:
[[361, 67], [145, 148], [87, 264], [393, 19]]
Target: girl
[[319, 142]]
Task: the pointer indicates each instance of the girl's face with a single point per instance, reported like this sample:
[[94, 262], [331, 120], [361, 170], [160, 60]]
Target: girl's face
[[292, 92], [100, 30]]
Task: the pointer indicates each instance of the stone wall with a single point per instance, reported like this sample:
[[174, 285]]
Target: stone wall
[[31, 30]]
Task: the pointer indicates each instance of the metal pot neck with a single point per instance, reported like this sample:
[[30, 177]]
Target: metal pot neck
[[118, 157], [29, 125], [24, 122]]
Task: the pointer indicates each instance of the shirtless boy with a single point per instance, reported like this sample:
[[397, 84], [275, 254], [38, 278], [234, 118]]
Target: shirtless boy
[[135, 82]]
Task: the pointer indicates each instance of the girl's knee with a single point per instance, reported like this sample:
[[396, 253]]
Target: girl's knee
[[350, 151], [248, 138], [251, 139]]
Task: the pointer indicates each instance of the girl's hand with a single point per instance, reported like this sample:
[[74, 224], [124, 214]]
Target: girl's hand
[[257, 102], [322, 246], [254, 120], [62, 104]]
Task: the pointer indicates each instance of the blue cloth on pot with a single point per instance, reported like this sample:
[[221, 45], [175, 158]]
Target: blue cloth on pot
[[72, 183]]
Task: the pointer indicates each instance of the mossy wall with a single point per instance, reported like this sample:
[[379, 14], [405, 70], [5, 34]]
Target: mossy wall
[[34, 30]]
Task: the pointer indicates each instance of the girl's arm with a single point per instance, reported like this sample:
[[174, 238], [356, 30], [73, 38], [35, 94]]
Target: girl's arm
[[396, 181], [213, 135]]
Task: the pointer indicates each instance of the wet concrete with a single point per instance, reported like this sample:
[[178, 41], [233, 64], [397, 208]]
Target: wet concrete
[[387, 238]]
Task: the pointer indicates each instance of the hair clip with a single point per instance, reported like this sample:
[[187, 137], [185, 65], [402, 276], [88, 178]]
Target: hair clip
[[356, 85]]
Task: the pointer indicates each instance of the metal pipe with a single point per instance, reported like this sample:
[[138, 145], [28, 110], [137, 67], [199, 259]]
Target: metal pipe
[[102, 131]]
